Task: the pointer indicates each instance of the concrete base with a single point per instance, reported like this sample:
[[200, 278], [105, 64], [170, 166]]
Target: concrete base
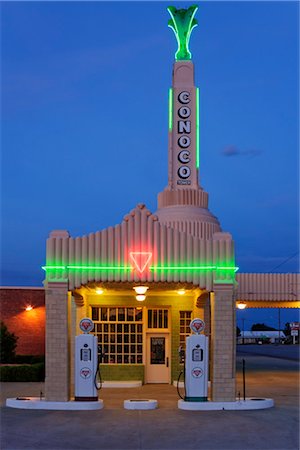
[[238, 405], [140, 404], [36, 403], [121, 384], [181, 384]]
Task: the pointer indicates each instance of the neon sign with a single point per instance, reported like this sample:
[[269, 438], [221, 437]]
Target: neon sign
[[140, 260]]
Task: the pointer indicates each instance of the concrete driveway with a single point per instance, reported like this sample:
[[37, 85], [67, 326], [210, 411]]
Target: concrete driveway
[[166, 427]]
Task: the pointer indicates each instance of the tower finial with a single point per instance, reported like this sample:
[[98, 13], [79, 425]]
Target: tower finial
[[182, 23]]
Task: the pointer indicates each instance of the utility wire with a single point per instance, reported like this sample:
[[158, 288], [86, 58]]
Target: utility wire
[[283, 262]]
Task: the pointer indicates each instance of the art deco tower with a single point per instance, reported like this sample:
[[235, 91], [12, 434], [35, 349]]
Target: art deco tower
[[183, 204]]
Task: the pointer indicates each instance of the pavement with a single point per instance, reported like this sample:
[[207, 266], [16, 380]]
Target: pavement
[[167, 427]]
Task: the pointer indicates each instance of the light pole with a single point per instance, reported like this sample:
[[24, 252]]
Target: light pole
[[243, 330], [279, 326], [242, 306]]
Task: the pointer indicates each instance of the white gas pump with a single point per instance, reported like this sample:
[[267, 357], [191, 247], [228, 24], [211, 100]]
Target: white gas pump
[[196, 364], [86, 363]]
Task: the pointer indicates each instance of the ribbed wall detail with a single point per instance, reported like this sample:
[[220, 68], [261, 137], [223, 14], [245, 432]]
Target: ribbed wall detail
[[193, 197], [202, 230], [140, 231], [268, 286]]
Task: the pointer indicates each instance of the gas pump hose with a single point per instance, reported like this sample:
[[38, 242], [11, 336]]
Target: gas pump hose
[[98, 384], [182, 372]]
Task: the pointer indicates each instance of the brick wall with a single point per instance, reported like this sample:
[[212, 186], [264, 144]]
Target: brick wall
[[29, 326]]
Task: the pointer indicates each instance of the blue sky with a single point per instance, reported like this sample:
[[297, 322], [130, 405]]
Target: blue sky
[[84, 122]]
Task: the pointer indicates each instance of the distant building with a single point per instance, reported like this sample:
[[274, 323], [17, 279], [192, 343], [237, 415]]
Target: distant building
[[257, 337]]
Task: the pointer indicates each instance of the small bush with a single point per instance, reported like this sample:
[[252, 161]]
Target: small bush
[[34, 372], [8, 344], [29, 359]]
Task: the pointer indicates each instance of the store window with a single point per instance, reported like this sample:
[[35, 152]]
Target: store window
[[185, 318], [120, 334], [158, 318]]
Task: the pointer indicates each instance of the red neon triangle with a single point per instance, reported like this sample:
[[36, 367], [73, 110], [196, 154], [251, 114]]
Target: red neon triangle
[[141, 260]]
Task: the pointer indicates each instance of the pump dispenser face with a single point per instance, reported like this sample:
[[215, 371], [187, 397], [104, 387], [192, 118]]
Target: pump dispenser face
[[196, 364], [86, 366]]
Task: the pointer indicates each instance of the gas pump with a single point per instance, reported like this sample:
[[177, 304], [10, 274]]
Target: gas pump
[[86, 363], [196, 364]]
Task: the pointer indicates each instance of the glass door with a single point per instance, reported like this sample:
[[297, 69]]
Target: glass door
[[157, 358]]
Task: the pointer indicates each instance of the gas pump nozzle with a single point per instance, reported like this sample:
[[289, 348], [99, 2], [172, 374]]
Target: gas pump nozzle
[[181, 354]]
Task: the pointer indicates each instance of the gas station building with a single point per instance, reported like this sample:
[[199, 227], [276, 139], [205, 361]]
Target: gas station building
[[142, 281]]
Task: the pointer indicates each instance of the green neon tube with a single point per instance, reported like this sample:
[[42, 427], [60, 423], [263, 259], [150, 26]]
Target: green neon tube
[[229, 268], [87, 267], [197, 130], [182, 23], [170, 109], [226, 268]]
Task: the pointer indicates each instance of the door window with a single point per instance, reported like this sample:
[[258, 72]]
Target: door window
[[158, 350]]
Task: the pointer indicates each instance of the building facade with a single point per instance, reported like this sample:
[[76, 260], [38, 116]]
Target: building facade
[[179, 255]]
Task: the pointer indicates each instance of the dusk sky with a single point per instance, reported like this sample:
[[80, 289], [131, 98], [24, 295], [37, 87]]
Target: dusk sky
[[85, 123]]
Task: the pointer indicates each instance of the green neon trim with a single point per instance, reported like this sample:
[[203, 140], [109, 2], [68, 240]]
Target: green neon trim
[[229, 268], [170, 109], [182, 23], [235, 268], [54, 267], [197, 130], [100, 267], [87, 267]]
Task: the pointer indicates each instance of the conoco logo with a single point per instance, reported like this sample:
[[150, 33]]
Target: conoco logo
[[197, 325], [86, 325], [197, 372], [85, 372]]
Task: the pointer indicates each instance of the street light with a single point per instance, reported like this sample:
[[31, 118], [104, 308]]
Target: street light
[[241, 305]]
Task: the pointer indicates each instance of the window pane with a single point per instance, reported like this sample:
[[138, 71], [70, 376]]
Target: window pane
[[157, 350], [165, 318], [103, 314], [139, 314], [150, 318], [160, 318], [112, 314], [95, 313], [121, 314], [130, 314]]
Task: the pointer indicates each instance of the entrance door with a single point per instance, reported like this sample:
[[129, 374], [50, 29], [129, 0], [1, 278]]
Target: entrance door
[[158, 358]]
